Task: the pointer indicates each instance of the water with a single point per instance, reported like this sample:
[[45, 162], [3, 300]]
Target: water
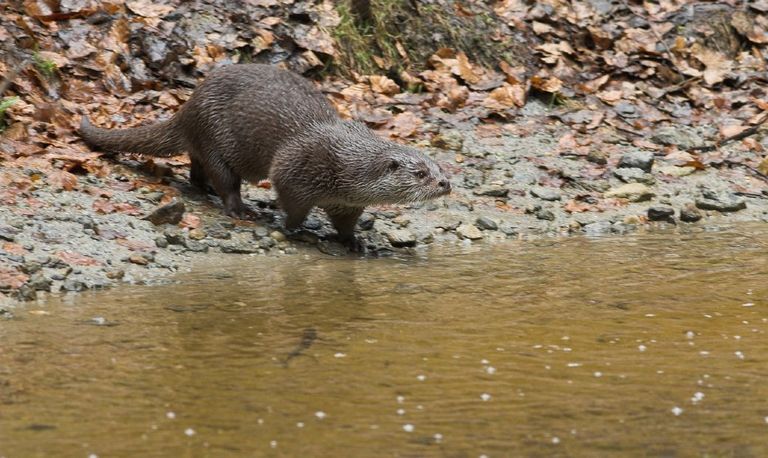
[[649, 345]]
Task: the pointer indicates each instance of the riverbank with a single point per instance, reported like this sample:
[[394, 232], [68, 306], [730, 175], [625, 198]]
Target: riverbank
[[69, 232]]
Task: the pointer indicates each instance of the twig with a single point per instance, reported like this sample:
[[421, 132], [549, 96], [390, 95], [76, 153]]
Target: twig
[[741, 135]]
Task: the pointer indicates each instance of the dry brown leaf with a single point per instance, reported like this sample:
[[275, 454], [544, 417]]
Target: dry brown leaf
[[717, 65], [383, 85], [509, 96], [60, 179], [551, 84], [464, 69], [190, 221], [404, 124], [147, 8], [77, 259], [731, 130]]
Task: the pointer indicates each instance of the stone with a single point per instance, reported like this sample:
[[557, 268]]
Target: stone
[[196, 246], [689, 213], [239, 246], [138, 259], [174, 236], [197, 234], [598, 228], [633, 175], [547, 194], [492, 190], [660, 213], [8, 233], [597, 157], [675, 171], [635, 192], [637, 159], [469, 231], [266, 243], [73, 285], [161, 242], [448, 139], [31, 267], [39, 282], [674, 135], [722, 202], [486, 224], [401, 238], [115, 274], [170, 213], [366, 221], [544, 214]]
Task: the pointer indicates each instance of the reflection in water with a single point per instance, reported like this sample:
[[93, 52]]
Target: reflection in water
[[648, 345]]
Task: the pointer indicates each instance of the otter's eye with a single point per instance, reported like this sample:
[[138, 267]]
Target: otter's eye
[[394, 165], [420, 174]]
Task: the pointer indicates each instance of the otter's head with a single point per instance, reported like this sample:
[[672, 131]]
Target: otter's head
[[399, 174]]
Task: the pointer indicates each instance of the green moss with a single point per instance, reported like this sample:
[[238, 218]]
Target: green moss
[[4, 105], [46, 67]]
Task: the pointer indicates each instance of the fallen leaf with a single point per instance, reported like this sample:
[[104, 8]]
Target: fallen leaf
[[77, 259]]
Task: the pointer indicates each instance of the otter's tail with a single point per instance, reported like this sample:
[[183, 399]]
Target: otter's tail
[[160, 139]]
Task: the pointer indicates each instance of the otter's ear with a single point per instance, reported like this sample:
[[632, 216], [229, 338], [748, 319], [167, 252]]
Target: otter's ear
[[393, 165]]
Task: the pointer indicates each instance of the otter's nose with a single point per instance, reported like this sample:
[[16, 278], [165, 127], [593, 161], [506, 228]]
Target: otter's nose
[[445, 185]]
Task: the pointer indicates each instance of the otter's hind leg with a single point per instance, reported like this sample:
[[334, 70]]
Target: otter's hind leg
[[197, 174], [225, 182]]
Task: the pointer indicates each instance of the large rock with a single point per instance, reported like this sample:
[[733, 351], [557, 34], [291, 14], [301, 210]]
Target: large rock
[[637, 159], [401, 238], [721, 201], [661, 213], [469, 231]]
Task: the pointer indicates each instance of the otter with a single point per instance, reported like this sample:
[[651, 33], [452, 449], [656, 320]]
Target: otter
[[256, 121]]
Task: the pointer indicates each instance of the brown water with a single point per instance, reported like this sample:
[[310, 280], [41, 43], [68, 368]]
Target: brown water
[[640, 346]]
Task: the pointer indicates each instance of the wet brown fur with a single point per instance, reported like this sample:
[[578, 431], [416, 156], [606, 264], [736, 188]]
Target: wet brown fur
[[250, 122]]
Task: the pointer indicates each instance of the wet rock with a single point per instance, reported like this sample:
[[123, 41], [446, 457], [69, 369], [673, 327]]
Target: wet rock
[[510, 230], [547, 194], [491, 190], [621, 227], [660, 213], [486, 224], [196, 246], [635, 192], [469, 231], [26, 293], [161, 242], [401, 238], [260, 231], [266, 243], [544, 214], [689, 213], [366, 221], [197, 234], [597, 157], [598, 228], [115, 274], [637, 159], [278, 236], [217, 231], [72, 284], [722, 202], [174, 236], [239, 246], [678, 136], [39, 282], [170, 213], [633, 175]]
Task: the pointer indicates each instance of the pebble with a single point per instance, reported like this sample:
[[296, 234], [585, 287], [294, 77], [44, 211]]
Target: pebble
[[278, 236], [139, 259], [170, 213], [174, 236], [197, 234], [678, 136], [597, 157], [196, 246], [8, 233], [161, 242], [598, 228], [401, 238], [492, 190], [545, 215], [634, 175], [239, 246], [635, 192], [469, 231], [547, 194], [689, 213], [485, 223], [637, 159], [660, 213]]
